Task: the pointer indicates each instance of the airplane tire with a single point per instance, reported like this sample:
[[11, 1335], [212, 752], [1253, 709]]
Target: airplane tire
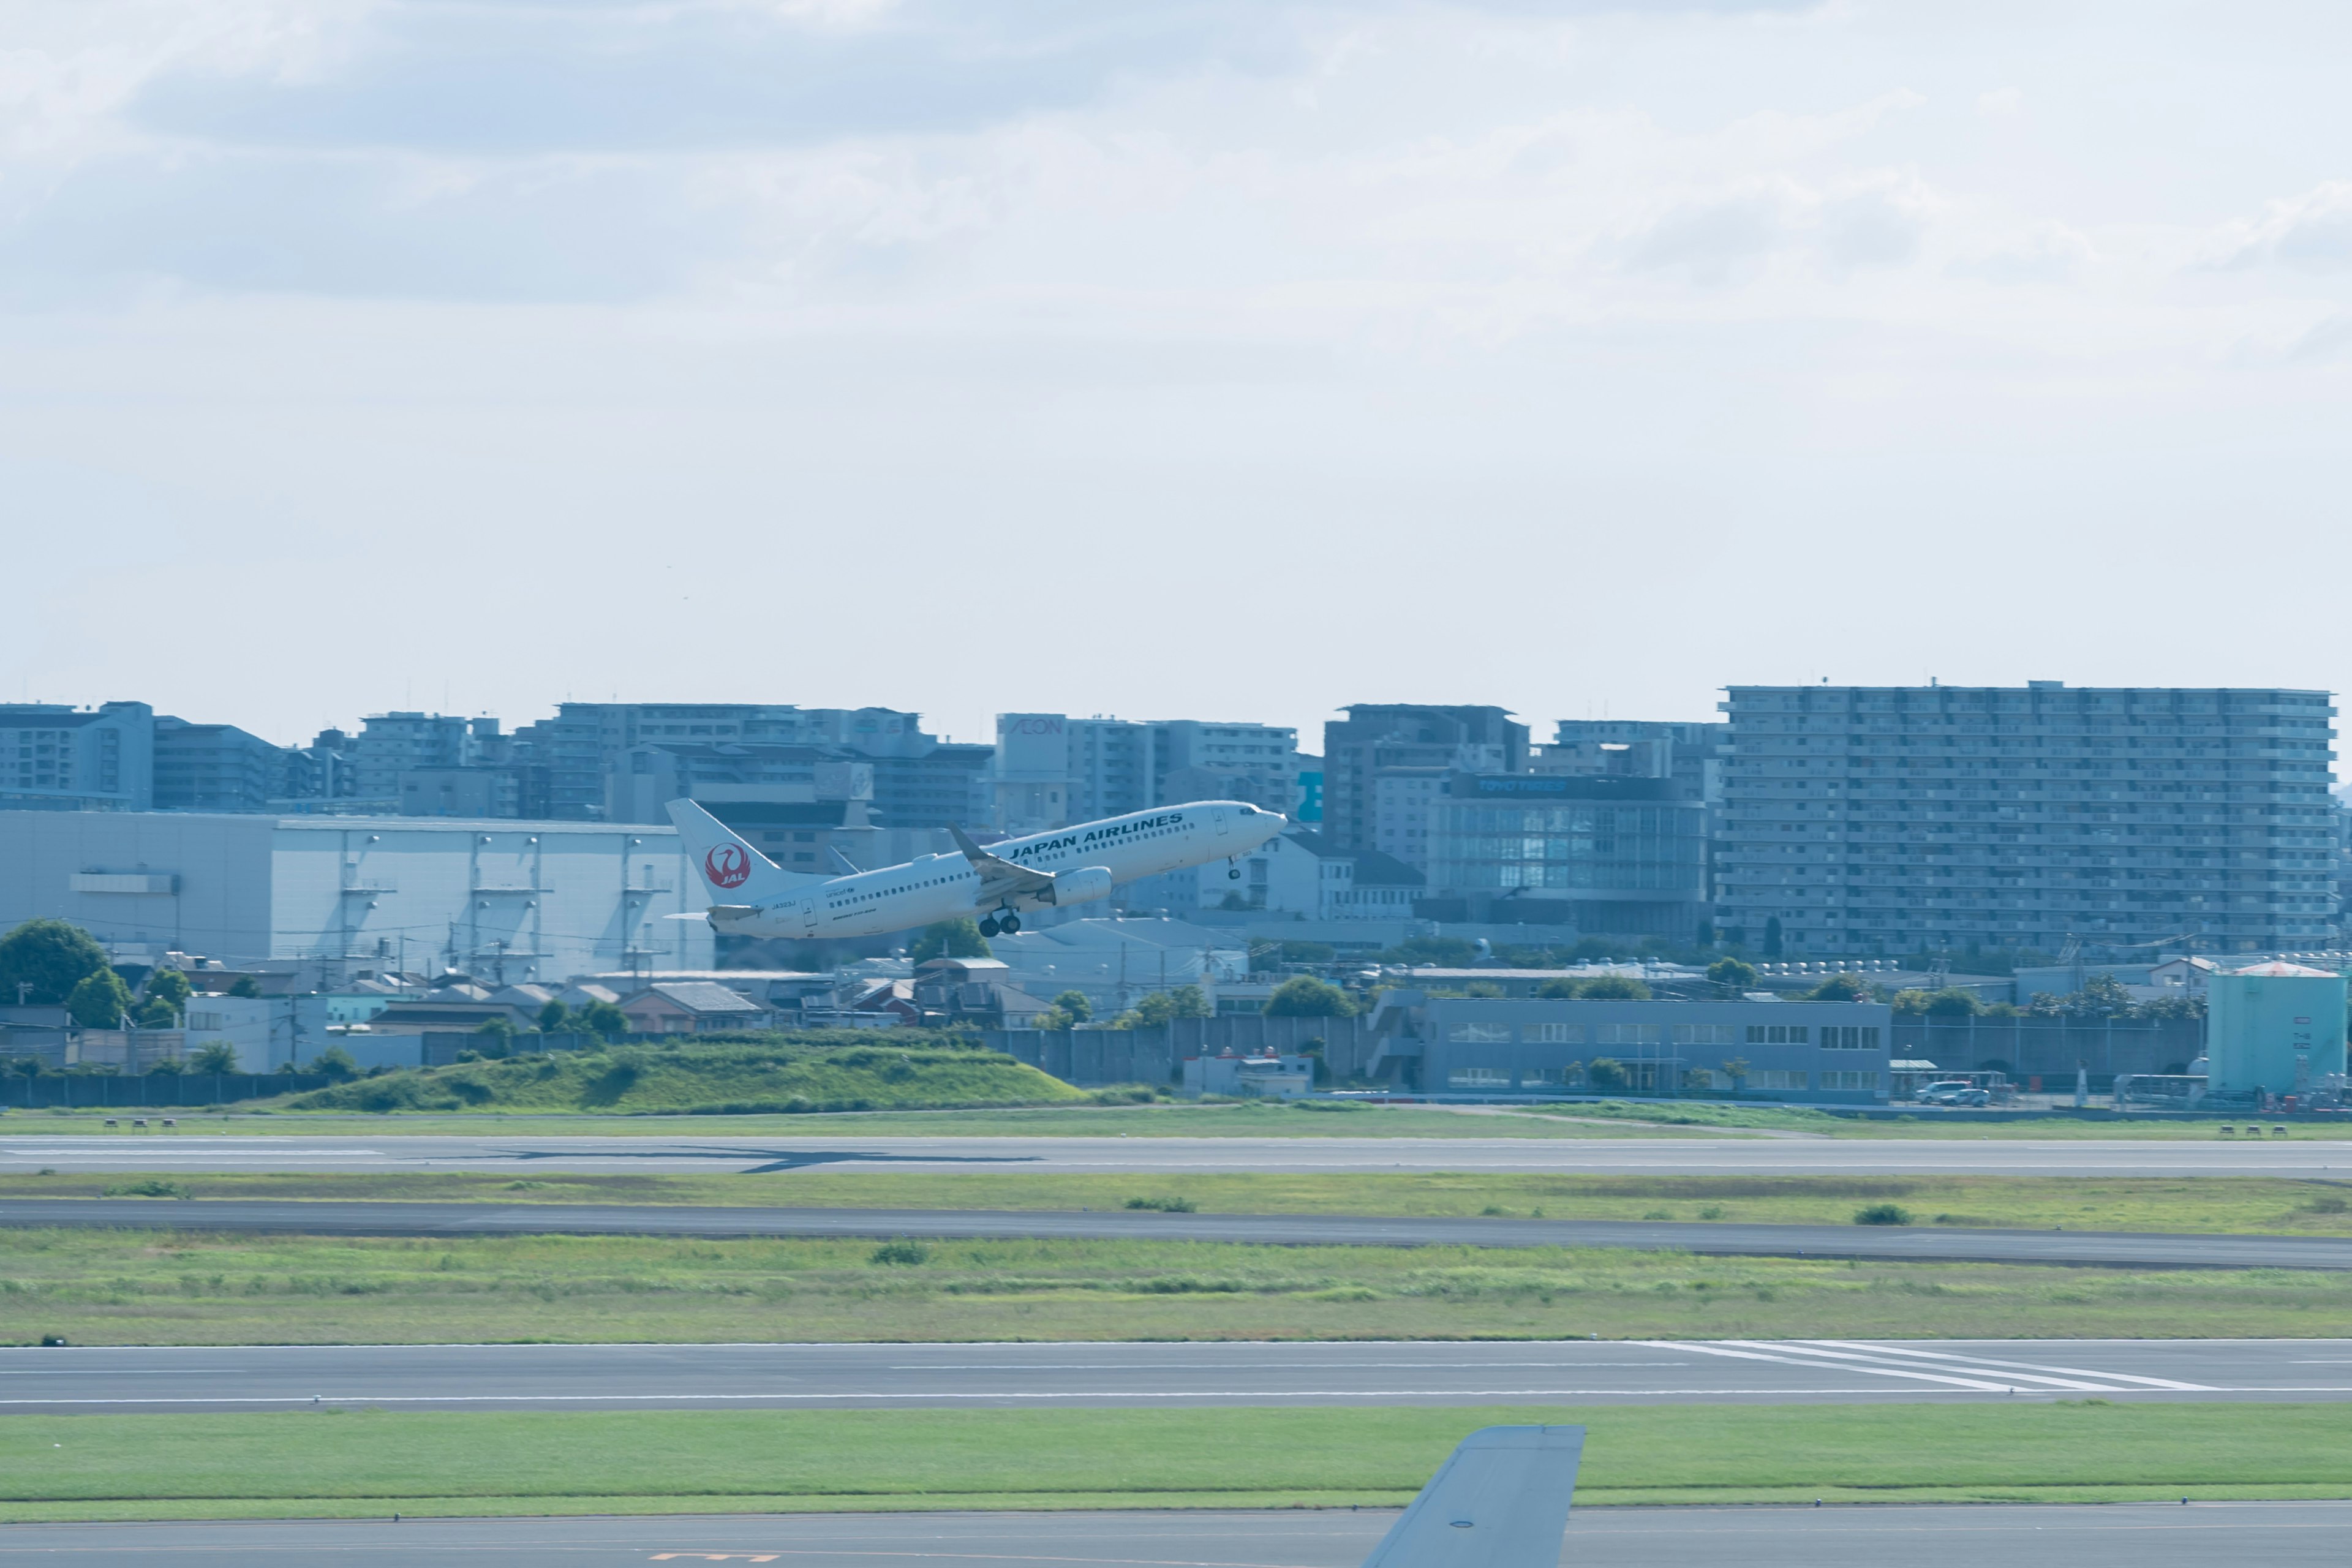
[[989, 927], [1234, 875], [1009, 924]]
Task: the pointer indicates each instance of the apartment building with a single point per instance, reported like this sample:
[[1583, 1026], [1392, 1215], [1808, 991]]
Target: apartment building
[[1375, 736], [1866, 820]]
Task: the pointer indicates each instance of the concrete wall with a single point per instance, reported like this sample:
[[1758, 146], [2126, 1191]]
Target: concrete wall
[[2049, 1048]]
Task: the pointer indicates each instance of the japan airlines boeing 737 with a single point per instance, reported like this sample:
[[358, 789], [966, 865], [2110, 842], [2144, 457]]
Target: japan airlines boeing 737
[[751, 895]]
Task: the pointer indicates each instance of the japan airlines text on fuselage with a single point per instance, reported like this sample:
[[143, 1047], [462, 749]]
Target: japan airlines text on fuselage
[[1069, 865]]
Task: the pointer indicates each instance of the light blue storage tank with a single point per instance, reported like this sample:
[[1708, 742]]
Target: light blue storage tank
[[2276, 1026]]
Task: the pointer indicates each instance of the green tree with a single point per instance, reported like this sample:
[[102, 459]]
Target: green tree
[[1075, 1004], [155, 1013], [1562, 989], [1485, 989], [1606, 1072], [603, 1019], [554, 1018], [1953, 1002], [1182, 1002], [1912, 1002], [1842, 988], [1615, 988], [336, 1063], [217, 1056], [2102, 997], [245, 985], [494, 1038], [48, 958], [950, 938], [1732, 973], [168, 985], [98, 1000], [1736, 1070], [1053, 1019], [1304, 996]]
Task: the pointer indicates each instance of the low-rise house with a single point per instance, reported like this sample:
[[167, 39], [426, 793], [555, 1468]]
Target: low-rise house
[[692, 1008]]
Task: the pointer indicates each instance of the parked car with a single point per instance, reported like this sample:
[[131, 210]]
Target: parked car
[[1954, 1091]]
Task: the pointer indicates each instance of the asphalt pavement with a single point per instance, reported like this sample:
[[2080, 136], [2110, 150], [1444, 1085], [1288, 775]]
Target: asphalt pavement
[[2129, 1535], [154, 1379], [22, 1148], [1917, 1243]]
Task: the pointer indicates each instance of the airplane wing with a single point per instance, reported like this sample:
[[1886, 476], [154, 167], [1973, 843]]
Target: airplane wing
[[1500, 1500], [999, 878]]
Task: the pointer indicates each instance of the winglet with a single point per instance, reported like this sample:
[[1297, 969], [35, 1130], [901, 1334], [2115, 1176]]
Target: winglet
[[1500, 1500], [971, 852]]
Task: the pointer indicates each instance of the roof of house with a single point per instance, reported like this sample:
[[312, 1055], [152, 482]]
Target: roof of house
[[696, 997], [1374, 869], [2280, 969]]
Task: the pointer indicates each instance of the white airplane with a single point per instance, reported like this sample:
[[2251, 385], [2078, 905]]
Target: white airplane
[[751, 895]]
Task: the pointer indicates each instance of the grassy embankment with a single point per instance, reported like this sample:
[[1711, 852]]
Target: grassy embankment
[[2239, 1206], [745, 1078], [120, 1288], [373, 1463]]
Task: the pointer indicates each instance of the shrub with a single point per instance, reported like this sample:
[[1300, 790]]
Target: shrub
[[1615, 988], [902, 1251], [1304, 996], [219, 1056], [1606, 1072], [1165, 1205], [336, 1063], [1883, 1213], [148, 1187]]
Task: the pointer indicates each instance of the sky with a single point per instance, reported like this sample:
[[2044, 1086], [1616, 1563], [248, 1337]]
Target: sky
[[1181, 358]]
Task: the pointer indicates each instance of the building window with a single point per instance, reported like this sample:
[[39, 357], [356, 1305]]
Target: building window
[[1704, 1035], [1776, 1078], [1628, 1034], [1552, 1034], [1848, 1037], [1850, 1080], [1478, 1078], [1478, 1034]]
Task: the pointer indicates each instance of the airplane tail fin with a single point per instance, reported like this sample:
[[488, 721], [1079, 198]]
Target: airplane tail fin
[[732, 871], [1500, 1500]]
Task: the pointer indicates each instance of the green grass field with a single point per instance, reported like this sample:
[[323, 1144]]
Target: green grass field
[[2244, 1205], [363, 1463], [126, 1287]]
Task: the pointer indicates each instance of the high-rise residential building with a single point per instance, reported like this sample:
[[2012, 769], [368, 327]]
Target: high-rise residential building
[[1052, 769], [1866, 820], [1197, 759], [585, 741], [389, 744], [55, 758], [1375, 735], [1691, 754], [213, 767]]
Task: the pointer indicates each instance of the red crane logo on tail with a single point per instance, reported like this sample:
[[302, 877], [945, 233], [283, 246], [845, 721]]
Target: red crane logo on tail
[[727, 866]]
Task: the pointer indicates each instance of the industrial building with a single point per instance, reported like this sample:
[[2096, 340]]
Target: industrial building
[[2275, 1028], [1879, 820], [1829, 1052], [331, 896]]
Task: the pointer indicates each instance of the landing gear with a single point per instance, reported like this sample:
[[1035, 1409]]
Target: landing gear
[[988, 927], [1233, 873], [1004, 924]]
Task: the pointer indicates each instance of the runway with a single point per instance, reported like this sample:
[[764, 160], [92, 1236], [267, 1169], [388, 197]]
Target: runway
[[139, 1379], [190, 1154], [2129, 1535], [1898, 1243]]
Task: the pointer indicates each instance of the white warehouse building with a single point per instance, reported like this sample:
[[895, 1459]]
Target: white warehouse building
[[507, 900]]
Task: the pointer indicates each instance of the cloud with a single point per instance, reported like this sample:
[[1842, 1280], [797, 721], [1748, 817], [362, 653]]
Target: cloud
[[2047, 252], [2312, 232]]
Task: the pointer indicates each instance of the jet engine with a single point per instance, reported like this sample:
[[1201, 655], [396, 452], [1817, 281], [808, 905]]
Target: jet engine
[[1081, 886]]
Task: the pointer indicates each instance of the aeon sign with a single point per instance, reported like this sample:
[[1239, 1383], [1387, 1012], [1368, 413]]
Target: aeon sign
[[727, 865]]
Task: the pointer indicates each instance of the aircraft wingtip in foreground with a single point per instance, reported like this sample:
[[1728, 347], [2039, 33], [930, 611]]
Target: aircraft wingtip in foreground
[[752, 896], [1500, 1500]]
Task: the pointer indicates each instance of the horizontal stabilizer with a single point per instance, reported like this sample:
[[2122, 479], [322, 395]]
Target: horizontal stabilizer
[[1500, 1500]]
